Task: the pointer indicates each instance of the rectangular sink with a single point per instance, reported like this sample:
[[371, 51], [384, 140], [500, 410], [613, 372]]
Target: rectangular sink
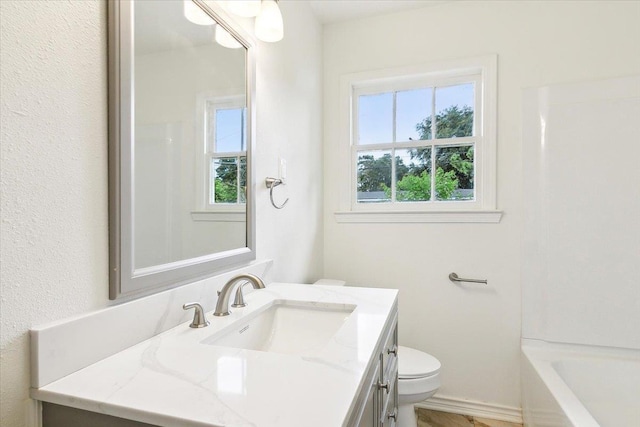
[[287, 327]]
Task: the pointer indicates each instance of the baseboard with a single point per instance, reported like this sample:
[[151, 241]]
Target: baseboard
[[33, 413], [472, 408]]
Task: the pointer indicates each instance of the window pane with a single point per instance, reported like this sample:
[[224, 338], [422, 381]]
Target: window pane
[[454, 111], [243, 179], [230, 130], [225, 179], [375, 118], [413, 114], [413, 175], [374, 176], [454, 173]]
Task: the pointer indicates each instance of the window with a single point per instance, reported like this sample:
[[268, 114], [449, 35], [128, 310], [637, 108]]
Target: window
[[423, 139], [226, 155], [424, 143]]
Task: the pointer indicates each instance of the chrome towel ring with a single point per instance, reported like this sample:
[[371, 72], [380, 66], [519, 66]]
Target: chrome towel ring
[[272, 183]]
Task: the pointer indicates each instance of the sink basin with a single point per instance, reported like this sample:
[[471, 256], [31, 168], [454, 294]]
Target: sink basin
[[288, 327]]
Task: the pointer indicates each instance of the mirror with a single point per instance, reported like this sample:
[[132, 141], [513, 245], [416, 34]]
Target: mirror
[[181, 90]]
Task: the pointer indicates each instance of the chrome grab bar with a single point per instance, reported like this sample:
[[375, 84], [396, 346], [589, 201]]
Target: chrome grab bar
[[454, 278]]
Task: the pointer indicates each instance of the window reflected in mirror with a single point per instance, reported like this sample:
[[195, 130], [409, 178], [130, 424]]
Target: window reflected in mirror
[[177, 65]]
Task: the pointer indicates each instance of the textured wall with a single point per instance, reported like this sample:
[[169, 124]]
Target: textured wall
[[54, 167], [54, 176], [474, 331]]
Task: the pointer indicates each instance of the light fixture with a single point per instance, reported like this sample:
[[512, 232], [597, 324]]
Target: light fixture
[[244, 8], [269, 27], [196, 15], [223, 38]]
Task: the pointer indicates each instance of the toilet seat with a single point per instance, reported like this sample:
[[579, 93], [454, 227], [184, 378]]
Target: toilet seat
[[414, 364], [418, 380], [422, 388]]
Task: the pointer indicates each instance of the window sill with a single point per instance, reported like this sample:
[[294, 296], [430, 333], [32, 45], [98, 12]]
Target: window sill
[[479, 217], [219, 216]]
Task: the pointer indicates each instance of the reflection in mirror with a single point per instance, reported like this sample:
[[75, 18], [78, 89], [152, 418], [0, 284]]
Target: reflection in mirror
[[189, 127], [184, 148]]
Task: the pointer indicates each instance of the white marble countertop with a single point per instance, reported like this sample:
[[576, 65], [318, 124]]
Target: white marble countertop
[[173, 379]]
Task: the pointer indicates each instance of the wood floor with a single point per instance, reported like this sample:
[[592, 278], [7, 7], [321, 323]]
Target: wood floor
[[430, 418]]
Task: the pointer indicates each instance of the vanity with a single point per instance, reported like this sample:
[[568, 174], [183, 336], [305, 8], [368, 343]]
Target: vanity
[[182, 207], [295, 355]]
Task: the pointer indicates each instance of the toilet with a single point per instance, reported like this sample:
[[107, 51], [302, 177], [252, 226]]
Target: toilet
[[418, 379], [418, 376]]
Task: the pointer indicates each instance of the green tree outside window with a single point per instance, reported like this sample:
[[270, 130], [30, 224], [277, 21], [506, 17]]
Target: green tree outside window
[[454, 165]]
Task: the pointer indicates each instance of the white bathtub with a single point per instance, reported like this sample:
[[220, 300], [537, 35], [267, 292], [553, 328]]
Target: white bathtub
[[579, 386]]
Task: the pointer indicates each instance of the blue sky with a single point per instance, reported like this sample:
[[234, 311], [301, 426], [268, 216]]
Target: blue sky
[[229, 124], [376, 111]]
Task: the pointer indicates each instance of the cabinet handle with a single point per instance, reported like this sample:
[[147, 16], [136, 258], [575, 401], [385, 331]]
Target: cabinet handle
[[393, 350], [383, 386], [393, 415]]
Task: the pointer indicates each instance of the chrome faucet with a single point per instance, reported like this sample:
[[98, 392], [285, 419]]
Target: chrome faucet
[[222, 306]]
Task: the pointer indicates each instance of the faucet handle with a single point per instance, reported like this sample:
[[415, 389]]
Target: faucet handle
[[199, 320], [239, 300]]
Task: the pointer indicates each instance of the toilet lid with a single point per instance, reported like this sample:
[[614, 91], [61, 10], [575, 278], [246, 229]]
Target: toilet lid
[[413, 363]]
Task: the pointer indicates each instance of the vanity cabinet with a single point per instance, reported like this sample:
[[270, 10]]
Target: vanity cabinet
[[64, 416], [380, 396], [388, 385]]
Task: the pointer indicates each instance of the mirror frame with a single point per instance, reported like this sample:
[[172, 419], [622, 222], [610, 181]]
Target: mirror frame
[[124, 280]]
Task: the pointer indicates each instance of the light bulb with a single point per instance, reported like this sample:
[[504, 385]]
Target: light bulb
[[244, 8], [223, 38], [196, 15], [269, 26]]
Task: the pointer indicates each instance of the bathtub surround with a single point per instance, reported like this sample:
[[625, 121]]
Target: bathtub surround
[[54, 240], [581, 247], [473, 330]]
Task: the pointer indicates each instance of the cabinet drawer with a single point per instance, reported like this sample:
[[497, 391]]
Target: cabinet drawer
[[389, 395]]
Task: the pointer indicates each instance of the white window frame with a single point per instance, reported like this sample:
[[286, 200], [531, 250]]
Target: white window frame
[[482, 71], [206, 211]]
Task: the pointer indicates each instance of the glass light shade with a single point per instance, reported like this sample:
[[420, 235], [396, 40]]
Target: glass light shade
[[244, 8], [269, 26], [223, 38], [196, 15]]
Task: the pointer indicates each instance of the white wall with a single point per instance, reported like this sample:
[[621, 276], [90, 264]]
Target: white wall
[[54, 176], [54, 167], [289, 104], [473, 330]]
